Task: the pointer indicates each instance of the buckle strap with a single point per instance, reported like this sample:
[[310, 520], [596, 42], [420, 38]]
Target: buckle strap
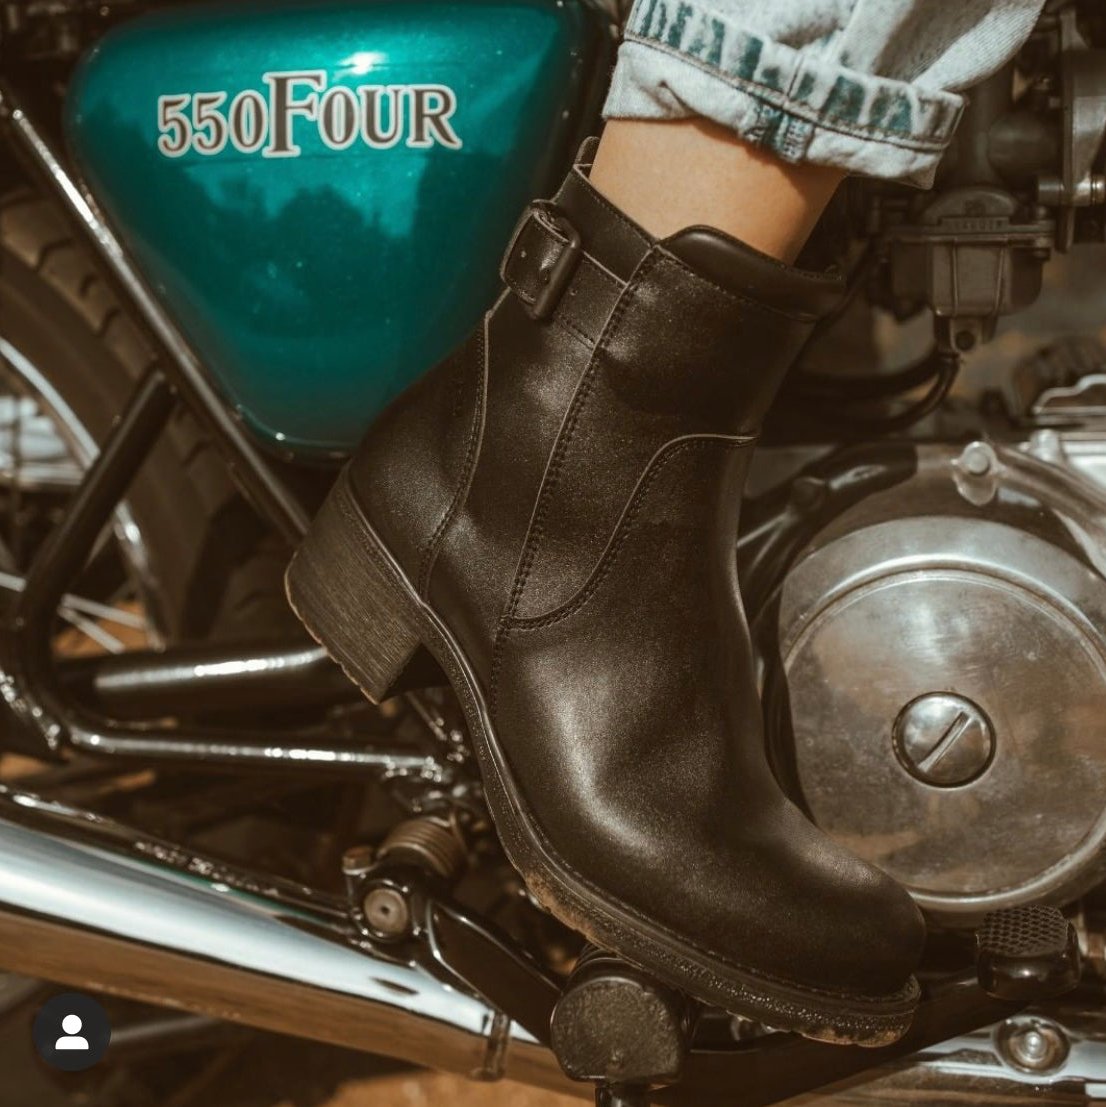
[[548, 269]]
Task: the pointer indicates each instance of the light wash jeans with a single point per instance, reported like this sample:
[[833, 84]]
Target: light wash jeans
[[871, 86]]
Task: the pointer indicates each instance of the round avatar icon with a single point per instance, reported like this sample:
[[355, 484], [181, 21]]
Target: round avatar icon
[[71, 1032]]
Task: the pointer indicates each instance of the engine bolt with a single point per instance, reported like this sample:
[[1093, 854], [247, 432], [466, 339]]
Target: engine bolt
[[386, 912], [1033, 1045], [943, 740], [357, 860], [977, 458]]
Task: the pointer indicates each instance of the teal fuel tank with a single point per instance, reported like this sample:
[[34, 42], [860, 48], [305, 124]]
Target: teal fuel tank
[[320, 191]]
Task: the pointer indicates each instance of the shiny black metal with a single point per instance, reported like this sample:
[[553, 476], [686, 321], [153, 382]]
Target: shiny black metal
[[448, 942], [250, 470], [209, 676], [66, 822], [445, 937], [66, 547], [234, 749], [218, 900], [560, 273], [48, 719], [26, 660], [493, 966], [96, 904]]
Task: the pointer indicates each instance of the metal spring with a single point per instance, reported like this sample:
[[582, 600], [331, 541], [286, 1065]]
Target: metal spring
[[428, 842]]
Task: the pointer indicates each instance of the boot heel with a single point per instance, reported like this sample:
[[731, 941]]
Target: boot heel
[[343, 590]]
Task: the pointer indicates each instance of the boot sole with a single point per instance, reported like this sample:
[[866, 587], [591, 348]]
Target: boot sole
[[356, 601]]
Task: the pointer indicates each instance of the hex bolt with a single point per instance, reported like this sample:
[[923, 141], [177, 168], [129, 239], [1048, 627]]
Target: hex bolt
[[386, 912], [1034, 1046], [977, 458]]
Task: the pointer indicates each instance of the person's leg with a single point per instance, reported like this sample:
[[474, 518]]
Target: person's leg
[[744, 115], [552, 511], [668, 175]]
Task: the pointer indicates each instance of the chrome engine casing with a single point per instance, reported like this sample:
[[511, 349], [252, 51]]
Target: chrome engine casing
[[944, 649]]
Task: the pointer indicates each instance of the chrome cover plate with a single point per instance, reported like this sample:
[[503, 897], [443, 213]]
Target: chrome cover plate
[[947, 681]]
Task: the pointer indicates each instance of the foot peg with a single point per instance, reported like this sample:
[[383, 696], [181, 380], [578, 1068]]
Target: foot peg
[[622, 1030], [1027, 953]]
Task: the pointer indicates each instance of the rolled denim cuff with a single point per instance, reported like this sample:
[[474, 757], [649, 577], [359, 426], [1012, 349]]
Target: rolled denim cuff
[[681, 59]]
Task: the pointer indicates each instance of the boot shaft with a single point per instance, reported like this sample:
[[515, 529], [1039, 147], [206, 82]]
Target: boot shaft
[[524, 450]]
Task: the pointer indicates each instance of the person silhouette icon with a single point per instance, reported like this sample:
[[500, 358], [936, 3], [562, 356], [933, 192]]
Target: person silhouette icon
[[85, 1030], [71, 1024]]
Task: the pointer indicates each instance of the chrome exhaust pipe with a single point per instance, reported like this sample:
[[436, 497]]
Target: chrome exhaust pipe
[[94, 905]]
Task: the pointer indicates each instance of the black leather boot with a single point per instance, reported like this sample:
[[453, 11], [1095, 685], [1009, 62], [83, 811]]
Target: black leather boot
[[552, 513]]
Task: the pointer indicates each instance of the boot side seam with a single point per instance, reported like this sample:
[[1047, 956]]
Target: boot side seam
[[668, 453], [551, 477], [433, 544], [559, 320]]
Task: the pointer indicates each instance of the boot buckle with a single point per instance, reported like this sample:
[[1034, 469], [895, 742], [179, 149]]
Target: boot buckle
[[554, 276]]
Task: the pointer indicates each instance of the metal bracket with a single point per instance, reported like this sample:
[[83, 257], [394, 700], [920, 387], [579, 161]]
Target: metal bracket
[[1083, 72]]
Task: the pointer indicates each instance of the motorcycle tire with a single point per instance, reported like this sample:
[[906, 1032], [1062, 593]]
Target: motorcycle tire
[[214, 570]]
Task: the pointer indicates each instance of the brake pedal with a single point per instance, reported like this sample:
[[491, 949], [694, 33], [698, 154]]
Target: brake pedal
[[617, 1027], [1027, 953]]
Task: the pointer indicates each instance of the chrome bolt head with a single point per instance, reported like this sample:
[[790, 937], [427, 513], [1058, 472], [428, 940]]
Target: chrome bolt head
[[1033, 1044], [943, 740], [977, 459], [386, 912]]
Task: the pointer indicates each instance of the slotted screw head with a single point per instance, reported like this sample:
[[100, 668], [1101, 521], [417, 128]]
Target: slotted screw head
[[943, 739]]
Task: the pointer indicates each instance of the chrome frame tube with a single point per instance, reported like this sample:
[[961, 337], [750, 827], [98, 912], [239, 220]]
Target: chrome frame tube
[[242, 676]]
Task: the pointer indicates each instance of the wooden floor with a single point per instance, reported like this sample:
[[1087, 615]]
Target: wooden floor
[[434, 1090]]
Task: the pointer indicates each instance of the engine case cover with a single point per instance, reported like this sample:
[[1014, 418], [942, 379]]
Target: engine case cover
[[946, 670]]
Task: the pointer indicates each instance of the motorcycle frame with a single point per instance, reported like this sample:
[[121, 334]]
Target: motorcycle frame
[[51, 719]]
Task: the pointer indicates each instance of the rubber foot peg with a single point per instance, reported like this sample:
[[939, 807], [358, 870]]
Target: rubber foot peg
[[1027, 953], [618, 1027]]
